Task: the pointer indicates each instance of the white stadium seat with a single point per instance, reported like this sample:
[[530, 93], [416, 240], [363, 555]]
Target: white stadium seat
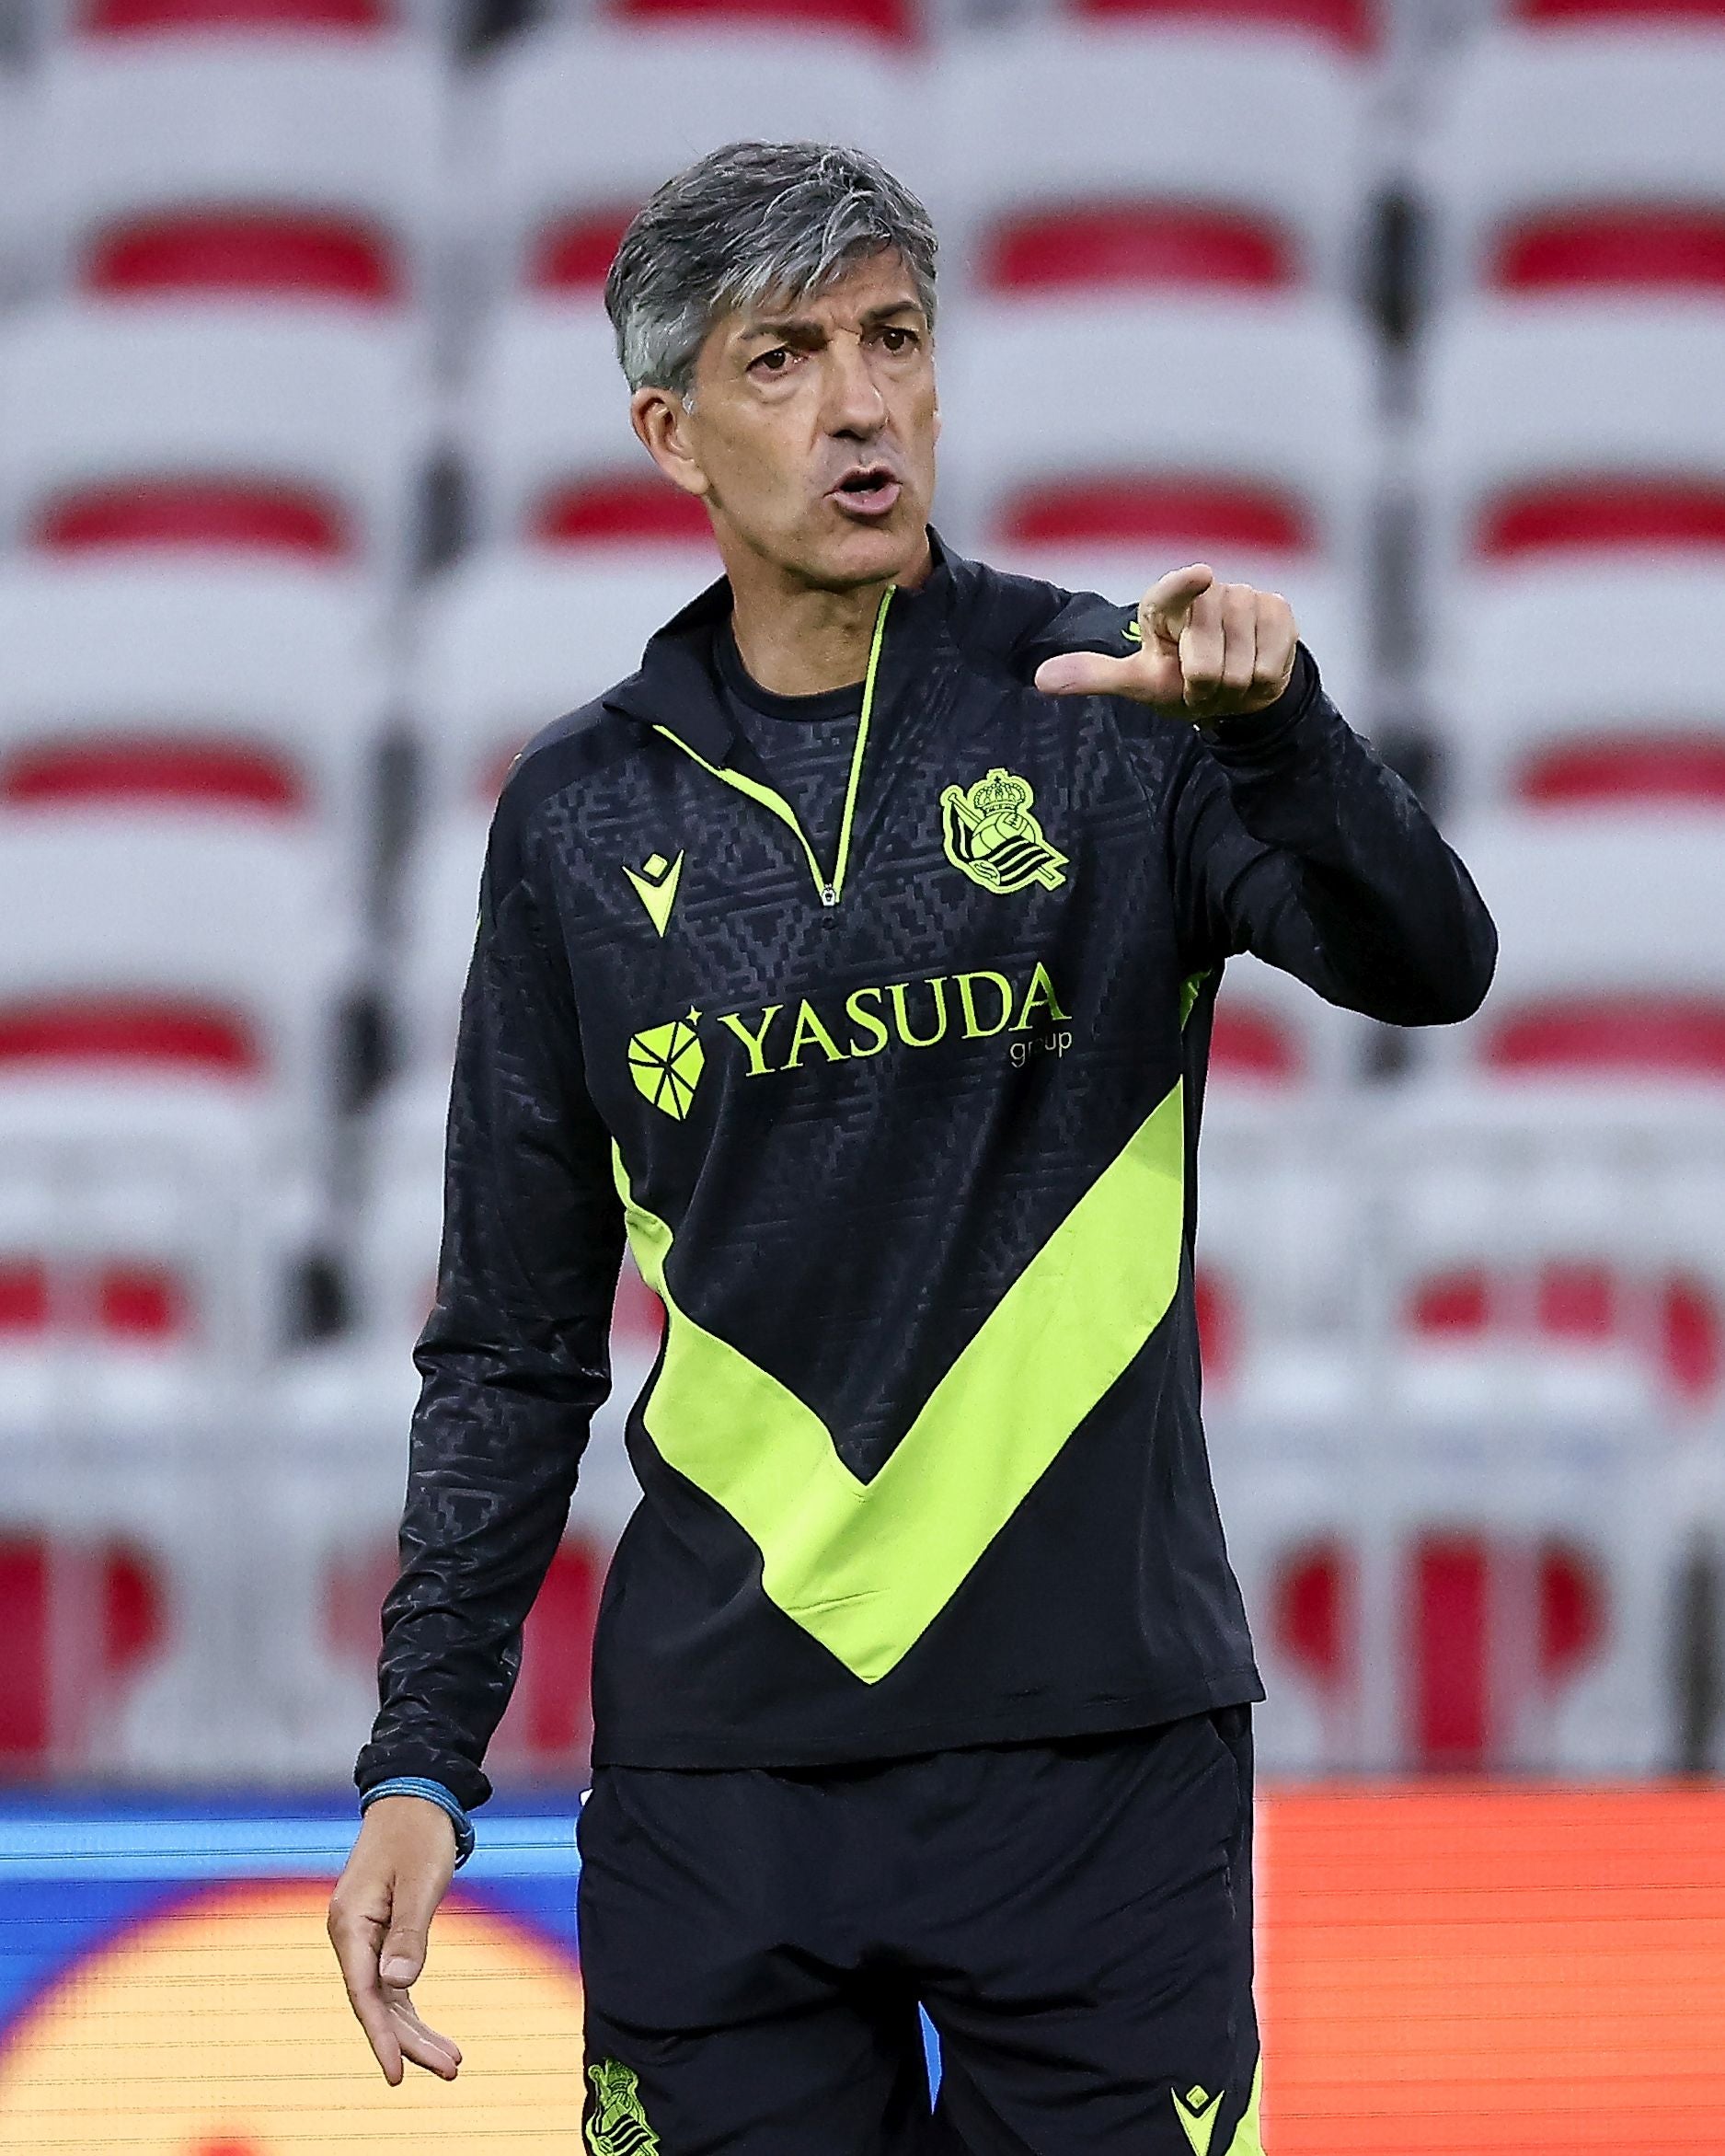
[[1051, 175], [510, 638], [1590, 161], [553, 459], [250, 431], [305, 169], [1252, 441], [1533, 705], [1611, 967], [1549, 428], [237, 691], [574, 127], [173, 956]]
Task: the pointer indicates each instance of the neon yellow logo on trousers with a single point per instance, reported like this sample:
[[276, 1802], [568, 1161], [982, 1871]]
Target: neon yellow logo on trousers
[[618, 2126], [866, 1567], [1196, 2111]]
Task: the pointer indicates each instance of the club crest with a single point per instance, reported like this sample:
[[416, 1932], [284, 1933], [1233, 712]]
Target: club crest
[[618, 2126], [988, 831]]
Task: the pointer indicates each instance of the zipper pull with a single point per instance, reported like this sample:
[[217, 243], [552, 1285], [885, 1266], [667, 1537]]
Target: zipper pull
[[828, 895]]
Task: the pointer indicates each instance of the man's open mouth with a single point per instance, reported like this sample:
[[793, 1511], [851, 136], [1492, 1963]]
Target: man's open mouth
[[868, 490]]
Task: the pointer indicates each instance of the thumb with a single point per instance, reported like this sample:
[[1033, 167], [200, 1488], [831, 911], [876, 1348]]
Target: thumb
[[1084, 673]]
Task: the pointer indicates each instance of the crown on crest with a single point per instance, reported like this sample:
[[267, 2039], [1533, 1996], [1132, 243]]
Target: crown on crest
[[999, 790]]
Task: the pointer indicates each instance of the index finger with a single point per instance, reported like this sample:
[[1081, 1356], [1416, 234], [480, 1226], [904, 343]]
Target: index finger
[[1170, 599]]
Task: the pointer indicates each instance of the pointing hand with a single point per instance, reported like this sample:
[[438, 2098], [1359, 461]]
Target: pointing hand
[[1214, 650]]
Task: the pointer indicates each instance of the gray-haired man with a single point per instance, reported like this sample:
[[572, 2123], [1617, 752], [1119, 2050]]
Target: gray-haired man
[[856, 961]]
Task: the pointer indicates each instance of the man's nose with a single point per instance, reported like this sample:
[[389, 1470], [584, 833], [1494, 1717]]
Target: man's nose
[[855, 405]]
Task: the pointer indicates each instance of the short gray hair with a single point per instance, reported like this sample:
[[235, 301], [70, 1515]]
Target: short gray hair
[[747, 221]]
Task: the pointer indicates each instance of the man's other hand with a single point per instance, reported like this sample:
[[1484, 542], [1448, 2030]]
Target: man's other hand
[[1216, 649], [380, 1920]]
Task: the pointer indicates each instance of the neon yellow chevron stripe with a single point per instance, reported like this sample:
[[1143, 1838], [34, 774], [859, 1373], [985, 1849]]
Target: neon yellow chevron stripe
[[1249, 2138], [866, 1567]]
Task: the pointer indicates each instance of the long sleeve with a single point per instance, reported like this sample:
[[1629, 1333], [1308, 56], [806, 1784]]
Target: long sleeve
[[1291, 839], [515, 1356]]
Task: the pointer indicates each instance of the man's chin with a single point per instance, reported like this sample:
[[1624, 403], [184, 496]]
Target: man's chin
[[877, 552]]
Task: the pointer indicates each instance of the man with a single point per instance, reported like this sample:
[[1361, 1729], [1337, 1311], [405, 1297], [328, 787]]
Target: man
[[857, 958]]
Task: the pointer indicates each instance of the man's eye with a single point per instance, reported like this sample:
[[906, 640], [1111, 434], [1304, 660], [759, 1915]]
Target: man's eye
[[773, 361], [898, 339]]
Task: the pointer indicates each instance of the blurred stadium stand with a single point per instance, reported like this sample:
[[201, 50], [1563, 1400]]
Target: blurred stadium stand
[[318, 498]]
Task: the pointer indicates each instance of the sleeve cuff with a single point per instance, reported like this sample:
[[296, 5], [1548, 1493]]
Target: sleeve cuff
[[420, 1785], [1258, 731]]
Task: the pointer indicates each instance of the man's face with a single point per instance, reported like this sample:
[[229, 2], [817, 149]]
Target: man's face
[[811, 436]]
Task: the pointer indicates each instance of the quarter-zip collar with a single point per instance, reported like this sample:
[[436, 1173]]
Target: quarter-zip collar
[[677, 687]]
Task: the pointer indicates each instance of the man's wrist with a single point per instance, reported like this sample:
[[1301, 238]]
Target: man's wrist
[[422, 1785]]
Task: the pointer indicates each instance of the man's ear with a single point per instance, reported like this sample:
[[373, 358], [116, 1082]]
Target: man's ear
[[661, 424]]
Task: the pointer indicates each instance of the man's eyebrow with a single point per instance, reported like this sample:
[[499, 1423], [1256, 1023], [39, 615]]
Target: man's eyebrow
[[806, 328]]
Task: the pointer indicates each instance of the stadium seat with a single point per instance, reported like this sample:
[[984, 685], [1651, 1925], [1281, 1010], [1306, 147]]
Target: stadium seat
[[1534, 706], [510, 638], [1438, 1592], [63, 1684], [249, 432], [1611, 969], [892, 19], [1052, 181], [174, 956], [334, 22], [1550, 431], [256, 694], [1252, 440], [1350, 26], [553, 460], [550, 201], [1584, 163], [1633, 14], [297, 170], [1511, 1226]]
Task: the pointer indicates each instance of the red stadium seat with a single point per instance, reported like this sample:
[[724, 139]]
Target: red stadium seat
[[1663, 248], [122, 1299], [1313, 1617], [162, 770], [225, 17], [1677, 1317], [614, 507], [1157, 509], [1137, 245], [1608, 509], [1666, 1035], [255, 252], [46, 1710], [132, 1033], [1448, 1620], [1255, 1044], [1663, 767], [1349, 23], [573, 253], [885, 18], [1625, 12], [233, 514]]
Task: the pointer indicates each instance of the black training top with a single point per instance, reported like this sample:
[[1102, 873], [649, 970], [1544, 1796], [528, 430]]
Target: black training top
[[902, 1127]]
